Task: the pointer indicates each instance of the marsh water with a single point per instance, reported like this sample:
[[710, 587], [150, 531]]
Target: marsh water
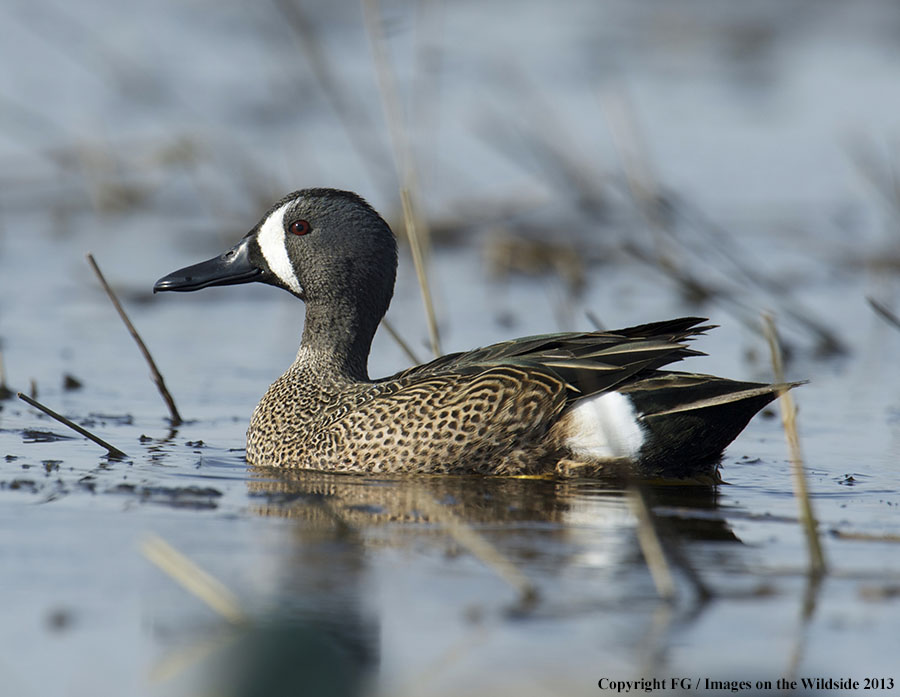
[[611, 163]]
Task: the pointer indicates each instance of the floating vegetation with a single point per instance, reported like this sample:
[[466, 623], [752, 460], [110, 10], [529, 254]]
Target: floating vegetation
[[70, 382], [190, 497], [35, 435]]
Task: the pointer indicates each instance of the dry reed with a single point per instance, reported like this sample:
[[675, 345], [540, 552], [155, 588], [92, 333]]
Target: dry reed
[[884, 312], [157, 376], [353, 118], [111, 450], [817, 564], [401, 342], [416, 226], [651, 546], [193, 579]]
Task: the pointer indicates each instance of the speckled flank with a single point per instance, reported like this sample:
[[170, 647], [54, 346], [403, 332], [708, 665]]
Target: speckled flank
[[494, 422]]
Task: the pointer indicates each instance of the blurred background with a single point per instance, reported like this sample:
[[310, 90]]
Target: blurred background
[[574, 164], [735, 158]]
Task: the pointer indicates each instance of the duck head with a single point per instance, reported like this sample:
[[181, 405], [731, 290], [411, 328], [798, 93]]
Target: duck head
[[327, 247], [321, 245]]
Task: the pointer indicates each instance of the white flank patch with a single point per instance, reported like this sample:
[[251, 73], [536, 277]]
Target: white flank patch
[[272, 245], [603, 427]]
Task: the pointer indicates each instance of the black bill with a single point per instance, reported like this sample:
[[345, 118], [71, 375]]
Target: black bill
[[233, 267]]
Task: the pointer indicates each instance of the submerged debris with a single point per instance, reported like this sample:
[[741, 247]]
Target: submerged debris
[[879, 593], [34, 435], [192, 497], [5, 392], [21, 484], [70, 382]]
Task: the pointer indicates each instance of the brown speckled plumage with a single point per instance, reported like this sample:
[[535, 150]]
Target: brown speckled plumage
[[491, 423], [501, 410], [468, 412]]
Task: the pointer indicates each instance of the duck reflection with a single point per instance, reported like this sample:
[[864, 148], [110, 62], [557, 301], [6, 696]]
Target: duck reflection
[[323, 638], [360, 501], [315, 635], [357, 502]]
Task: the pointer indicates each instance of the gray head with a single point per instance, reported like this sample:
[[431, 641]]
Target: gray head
[[329, 248]]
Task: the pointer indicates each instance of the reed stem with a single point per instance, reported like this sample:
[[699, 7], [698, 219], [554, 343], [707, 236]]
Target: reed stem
[[111, 450], [154, 372], [817, 565], [194, 579]]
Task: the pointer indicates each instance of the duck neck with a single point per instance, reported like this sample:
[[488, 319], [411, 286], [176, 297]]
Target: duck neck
[[336, 341]]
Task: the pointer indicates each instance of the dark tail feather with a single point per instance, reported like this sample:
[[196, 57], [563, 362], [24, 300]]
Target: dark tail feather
[[689, 420]]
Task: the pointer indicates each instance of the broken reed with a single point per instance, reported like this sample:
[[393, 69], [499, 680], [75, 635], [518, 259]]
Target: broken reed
[[817, 564], [157, 376], [111, 450]]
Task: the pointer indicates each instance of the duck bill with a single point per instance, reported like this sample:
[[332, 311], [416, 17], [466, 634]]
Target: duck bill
[[233, 267]]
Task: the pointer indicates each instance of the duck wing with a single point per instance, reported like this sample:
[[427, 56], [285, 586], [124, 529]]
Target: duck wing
[[583, 363]]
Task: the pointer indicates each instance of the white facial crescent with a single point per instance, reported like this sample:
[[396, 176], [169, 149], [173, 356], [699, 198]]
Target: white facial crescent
[[272, 245]]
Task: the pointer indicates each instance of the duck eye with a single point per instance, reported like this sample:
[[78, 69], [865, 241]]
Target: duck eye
[[299, 227]]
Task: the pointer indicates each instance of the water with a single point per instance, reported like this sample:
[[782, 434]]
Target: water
[[154, 154]]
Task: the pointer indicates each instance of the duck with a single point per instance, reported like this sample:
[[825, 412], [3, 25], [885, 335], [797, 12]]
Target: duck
[[571, 404]]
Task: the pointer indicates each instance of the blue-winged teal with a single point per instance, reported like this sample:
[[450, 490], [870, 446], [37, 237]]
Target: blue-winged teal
[[567, 404]]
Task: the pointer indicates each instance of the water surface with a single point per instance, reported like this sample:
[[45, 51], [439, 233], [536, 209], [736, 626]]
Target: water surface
[[156, 137]]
